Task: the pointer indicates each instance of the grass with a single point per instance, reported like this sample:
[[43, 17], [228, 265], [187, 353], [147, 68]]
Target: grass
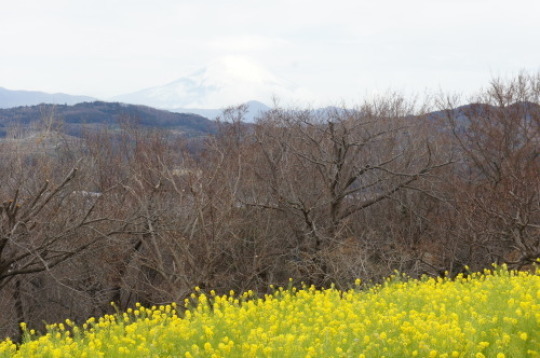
[[490, 314]]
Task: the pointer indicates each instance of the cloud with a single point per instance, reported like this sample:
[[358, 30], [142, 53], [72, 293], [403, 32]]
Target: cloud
[[247, 43], [107, 47]]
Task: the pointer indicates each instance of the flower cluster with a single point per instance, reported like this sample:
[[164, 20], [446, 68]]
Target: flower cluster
[[489, 314]]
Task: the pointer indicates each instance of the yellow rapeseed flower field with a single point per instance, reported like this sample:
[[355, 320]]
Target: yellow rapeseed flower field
[[489, 314]]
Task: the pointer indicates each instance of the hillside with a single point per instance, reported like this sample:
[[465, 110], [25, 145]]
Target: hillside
[[401, 318], [92, 115]]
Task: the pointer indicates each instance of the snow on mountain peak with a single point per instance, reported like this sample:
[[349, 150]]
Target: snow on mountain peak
[[231, 68], [224, 82]]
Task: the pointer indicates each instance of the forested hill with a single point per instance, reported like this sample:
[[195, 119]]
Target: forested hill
[[91, 115]]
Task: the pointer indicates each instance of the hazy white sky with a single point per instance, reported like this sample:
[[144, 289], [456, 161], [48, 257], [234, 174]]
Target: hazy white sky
[[334, 50]]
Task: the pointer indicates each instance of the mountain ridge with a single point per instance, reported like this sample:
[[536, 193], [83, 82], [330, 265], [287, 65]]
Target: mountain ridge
[[93, 115], [15, 98]]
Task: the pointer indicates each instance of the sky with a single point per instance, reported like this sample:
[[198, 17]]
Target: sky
[[333, 51]]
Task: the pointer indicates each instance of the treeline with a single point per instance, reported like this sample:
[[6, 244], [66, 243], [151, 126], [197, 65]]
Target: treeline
[[136, 215]]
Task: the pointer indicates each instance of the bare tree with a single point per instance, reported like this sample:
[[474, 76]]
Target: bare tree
[[317, 171], [497, 183]]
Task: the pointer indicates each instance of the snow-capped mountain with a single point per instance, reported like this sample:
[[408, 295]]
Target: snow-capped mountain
[[225, 82]]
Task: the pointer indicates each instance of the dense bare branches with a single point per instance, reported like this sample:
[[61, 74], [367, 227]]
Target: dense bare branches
[[322, 196], [499, 188], [315, 171]]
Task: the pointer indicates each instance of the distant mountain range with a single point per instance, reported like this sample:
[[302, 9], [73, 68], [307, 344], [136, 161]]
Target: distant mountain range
[[93, 115], [12, 98], [74, 119], [225, 82]]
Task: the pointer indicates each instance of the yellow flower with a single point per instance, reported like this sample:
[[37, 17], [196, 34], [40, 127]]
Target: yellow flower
[[483, 345]]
